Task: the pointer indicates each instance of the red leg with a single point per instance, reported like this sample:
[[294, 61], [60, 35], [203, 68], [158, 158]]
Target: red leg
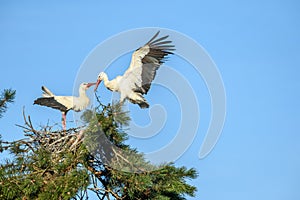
[[64, 120]]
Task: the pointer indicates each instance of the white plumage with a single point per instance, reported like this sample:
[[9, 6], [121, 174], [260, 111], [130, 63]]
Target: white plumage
[[65, 103], [136, 81]]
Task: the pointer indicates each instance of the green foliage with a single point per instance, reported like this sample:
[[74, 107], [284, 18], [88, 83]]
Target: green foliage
[[7, 96], [165, 183], [51, 164], [125, 172], [40, 174], [109, 121]]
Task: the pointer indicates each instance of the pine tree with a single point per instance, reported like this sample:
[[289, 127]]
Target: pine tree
[[7, 96], [49, 164]]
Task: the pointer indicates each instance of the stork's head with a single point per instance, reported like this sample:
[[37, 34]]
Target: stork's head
[[101, 76], [86, 86]]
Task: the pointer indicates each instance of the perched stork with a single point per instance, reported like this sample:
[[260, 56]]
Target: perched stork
[[136, 81], [65, 103]]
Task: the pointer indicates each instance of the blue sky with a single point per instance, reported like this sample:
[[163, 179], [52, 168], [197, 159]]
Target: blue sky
[[255, 45]]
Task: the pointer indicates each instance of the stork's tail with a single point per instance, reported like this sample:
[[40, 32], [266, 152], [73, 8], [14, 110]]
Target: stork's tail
[[141, 101], [47, 92], [143, 104]]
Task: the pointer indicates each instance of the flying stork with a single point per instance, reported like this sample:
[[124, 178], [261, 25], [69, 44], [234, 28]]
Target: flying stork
[[65, 103], [136, 80]]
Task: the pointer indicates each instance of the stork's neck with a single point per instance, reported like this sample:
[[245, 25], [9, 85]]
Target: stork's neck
[[82, 92], [105, 80], [110, 84]]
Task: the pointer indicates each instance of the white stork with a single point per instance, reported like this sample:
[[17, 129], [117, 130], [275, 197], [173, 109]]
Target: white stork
[[65, 103], [136, 81]]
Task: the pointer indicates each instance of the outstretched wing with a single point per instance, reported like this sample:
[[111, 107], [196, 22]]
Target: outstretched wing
[[51, 102], [62, 103], [145, 61]]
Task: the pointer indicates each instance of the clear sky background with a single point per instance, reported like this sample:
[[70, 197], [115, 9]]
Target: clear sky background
[[255, 45]]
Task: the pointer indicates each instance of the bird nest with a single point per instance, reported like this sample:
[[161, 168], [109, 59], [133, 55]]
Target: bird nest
[[47, 139]]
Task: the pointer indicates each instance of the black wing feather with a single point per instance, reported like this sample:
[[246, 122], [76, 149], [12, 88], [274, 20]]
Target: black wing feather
[[159, 50], [156, 34], [50, 102]]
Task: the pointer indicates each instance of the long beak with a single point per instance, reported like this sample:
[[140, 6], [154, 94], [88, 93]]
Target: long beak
[[90, 84], [97, 84]]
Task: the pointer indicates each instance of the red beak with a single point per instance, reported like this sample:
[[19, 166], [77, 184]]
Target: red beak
[[97, 84], [90, 84]]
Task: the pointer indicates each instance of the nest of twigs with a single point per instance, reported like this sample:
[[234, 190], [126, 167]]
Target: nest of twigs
[[51, 141]]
